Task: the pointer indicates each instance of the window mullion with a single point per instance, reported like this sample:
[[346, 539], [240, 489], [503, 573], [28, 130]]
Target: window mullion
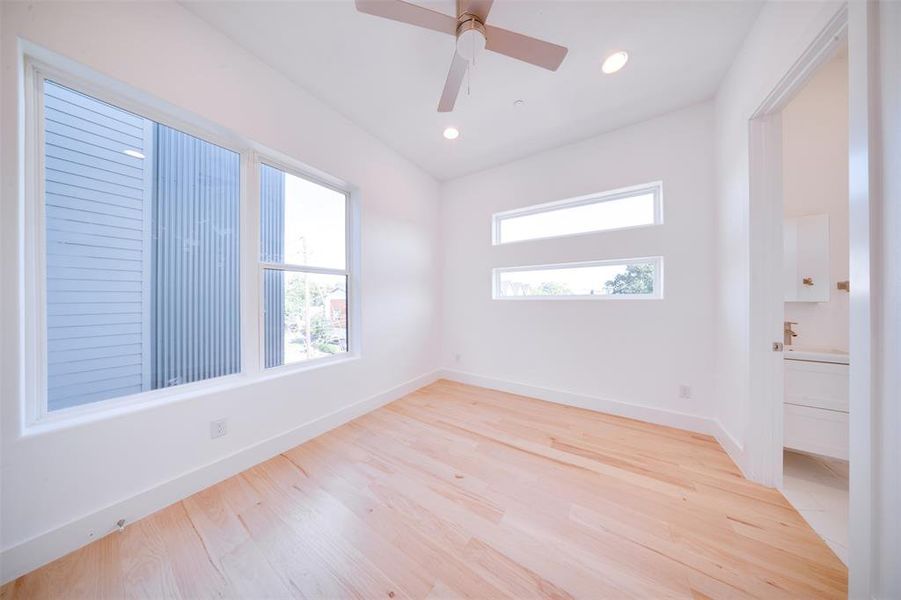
[[302, 268], [251, 273]]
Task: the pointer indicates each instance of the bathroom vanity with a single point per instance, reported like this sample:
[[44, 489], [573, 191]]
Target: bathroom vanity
[[816, 401]]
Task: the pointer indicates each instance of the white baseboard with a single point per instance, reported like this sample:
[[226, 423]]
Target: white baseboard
[[732, 447], [40, 550], [649, 414]]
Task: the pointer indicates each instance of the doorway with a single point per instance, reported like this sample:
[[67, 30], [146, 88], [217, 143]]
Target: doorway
[[816, 290], [802, 434]]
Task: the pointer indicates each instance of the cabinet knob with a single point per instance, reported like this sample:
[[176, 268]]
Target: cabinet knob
[[808, 281]]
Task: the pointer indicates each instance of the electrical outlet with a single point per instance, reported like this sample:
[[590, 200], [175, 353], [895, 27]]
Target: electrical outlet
[[684, 391], [218, 428]]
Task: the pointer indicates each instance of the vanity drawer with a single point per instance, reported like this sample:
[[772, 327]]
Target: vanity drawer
[[823, 432], [816, 385]]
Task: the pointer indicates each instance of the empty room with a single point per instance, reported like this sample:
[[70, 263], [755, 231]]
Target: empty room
[[430, 299]]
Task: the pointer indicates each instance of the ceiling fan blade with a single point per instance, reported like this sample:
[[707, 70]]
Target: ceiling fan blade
[[479, 8], [398, 10], [453, 83], [522, 47]]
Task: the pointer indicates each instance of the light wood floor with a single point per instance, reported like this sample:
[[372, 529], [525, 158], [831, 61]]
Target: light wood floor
[[456, 491]]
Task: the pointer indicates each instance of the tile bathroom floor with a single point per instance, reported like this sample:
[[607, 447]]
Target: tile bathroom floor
[[818, 489]]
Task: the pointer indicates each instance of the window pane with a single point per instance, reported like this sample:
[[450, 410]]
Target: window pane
[[142, 253], [631, 211], [305, 316], [302, 222], [586, 280]]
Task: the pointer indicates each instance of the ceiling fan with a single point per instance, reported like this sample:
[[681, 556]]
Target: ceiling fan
[[473, 35]]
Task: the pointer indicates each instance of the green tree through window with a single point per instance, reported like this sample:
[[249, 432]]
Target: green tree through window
[[637, 279]]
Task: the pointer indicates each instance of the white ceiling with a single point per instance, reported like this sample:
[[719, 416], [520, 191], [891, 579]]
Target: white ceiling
[[387, 76]]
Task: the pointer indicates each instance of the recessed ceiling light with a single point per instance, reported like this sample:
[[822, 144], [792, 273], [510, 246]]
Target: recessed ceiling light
[[451, 133], [615, 62], [133, 153]]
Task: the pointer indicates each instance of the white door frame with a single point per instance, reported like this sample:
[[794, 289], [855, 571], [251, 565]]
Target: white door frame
[[858, 21], [866, 268], [766, 293]]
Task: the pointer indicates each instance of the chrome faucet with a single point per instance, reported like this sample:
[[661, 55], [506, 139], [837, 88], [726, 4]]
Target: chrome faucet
[[788, 333]]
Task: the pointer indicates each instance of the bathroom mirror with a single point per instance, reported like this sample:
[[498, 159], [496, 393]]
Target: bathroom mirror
[[806, 258]]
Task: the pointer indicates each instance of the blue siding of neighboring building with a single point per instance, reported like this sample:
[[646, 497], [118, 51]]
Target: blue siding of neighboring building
[[272, 237], [96, 251], [142, 254], [196, 291]]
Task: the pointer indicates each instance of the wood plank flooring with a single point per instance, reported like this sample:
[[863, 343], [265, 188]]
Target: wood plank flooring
[[456, 491]]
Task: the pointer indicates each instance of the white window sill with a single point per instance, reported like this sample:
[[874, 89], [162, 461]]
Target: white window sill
[[615, 297], [114, 407]]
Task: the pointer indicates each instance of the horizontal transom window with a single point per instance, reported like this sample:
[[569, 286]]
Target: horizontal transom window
[[621, 278], [617, 209]]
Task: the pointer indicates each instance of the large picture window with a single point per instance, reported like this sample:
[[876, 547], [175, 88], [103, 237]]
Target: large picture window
[[303, 250], [138, 282], [142, 252]]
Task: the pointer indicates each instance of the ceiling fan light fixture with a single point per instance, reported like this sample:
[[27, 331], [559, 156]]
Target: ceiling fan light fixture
[[615, 62], [451, 133], [472, 35], [471, 39]]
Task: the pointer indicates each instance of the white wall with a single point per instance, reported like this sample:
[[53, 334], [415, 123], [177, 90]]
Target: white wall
[[780, 35], [56, 478], [594, 351], [815, 181]]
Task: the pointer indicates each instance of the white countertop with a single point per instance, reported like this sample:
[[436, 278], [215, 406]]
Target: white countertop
[[827, 355]]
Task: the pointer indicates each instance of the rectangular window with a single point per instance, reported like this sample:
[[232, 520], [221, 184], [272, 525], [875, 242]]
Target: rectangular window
[[134, 266], [303, 252], [618, 209], [141, 242], [624, 278]]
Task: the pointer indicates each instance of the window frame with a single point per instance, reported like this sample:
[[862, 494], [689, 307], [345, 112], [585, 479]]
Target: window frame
[[348, 270], [653, 187], [38, 65], [657, 261]]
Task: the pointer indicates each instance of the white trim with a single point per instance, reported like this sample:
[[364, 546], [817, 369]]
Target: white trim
[[33, 369], [655, 188], [37, 415], [762, 459], [867, 160], [107, 409], [37, 64], [648, 414], [43, 548], [149, 150], [657, 261], [251, 277], [309, 364], [301, 269], [731, 446], [85, 80], [351, 261]]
